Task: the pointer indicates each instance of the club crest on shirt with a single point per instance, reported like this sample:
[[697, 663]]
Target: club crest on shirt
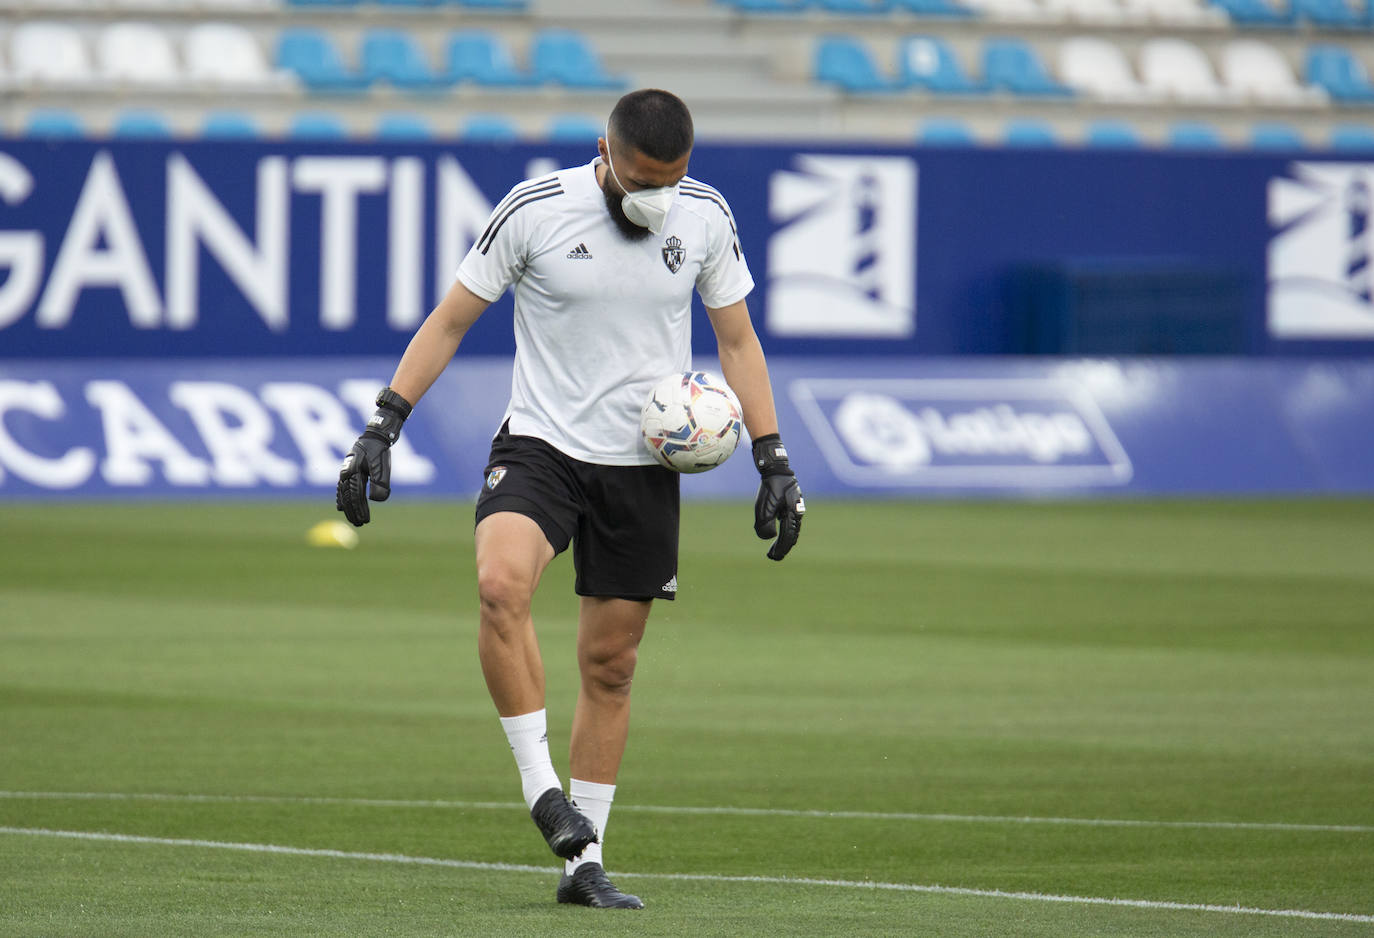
[[673, 254], [495, 476]]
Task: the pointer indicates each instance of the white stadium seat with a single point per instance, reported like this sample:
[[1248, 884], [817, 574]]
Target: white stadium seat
[[1012, 11], [1098, 12], [1260, 72], [1098, 68], [49, 53], [1180, 70], [226, 54], [137, 53], [1175, 12]]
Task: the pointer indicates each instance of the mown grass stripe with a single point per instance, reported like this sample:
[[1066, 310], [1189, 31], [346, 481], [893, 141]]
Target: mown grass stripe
[[685, 809], [277, 849]]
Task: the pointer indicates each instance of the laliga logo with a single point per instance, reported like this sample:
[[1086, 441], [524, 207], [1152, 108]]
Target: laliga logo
[[1319, 259], [961, 433], [843, 263]]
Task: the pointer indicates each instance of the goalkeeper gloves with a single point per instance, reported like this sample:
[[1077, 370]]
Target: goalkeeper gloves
[[370, 459], [779, 507]]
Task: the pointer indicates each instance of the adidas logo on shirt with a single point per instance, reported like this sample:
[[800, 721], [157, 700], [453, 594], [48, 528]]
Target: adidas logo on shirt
[[580, 253]]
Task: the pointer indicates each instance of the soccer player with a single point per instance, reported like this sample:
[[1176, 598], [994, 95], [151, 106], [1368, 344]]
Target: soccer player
[[603, 259]]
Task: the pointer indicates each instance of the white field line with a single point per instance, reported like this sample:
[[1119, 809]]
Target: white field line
[[685, 877], [668, 809]]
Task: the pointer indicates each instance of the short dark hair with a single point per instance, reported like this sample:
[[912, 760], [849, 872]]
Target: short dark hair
[[654, 122]]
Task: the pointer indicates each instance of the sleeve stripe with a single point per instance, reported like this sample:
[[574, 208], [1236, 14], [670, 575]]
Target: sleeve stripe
[[489, 236], [711, 195], [498, 215]]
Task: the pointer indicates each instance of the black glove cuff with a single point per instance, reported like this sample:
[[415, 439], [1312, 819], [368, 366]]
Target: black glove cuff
[[385, 425], [770, 456], [392, 401]]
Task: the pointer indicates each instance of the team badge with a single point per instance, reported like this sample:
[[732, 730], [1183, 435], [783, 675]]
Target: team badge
[[495, 476], [673, 254]]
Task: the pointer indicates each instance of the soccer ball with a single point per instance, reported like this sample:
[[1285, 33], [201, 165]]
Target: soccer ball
[[691, 421]]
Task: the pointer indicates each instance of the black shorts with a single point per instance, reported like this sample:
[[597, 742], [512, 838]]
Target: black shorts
[[621, 520]]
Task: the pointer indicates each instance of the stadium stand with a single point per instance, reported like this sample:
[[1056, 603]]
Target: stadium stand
[[793, 69]]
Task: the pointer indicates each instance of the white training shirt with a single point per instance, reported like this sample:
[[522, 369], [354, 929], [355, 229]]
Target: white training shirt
[[598, 318]]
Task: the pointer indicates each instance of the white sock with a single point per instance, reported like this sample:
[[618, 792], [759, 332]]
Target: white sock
[[594, 800], [529, 740]]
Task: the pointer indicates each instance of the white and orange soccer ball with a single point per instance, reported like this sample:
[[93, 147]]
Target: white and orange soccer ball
[[691, 422]]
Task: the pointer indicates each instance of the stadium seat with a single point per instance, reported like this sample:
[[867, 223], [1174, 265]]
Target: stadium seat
[[393, 56], [1108, 134], [1091, 12], [928, 62], [227, 54], [1274, 136], [1352, 137], [489, 128], [407, 3], [1195, 135], [1009, 11], [49, 53], [946, 132], [1025, 132], [492, 4], [573, 128], [141, 124], [1336, 69], [1330, 14], [1259, 71], [933, 7], [1097, 67], [482, 57], [564, 57], [229, 125], [1013, 65], [240, 6], [768, 6], [313, 125], [856, 7], [54, 123], [316, 61], [322, 3], [1173, 12], [136, 53], [395, 126], [1255, 13], [1178, 69], [845, 62]]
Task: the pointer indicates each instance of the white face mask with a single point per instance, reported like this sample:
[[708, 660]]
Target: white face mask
[[647, 208]]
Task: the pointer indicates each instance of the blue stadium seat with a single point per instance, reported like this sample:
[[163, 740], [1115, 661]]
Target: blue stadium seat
[[394, 56], [564, 57], [514, 5], [54, 123], [933, 7], [574, 128], [490, 128], [1025, 132], [396, 126], [855, 7], [1276, 136], [140, 123], [482, 57], [929, 62], [1328, 13], [1336, 69], [322, 3], [313, 125], [1255, 12], [316, 61], [946, 132], [845, 62], [1195, 135], [768, 6], [1108, 133], [407, 3], [1013, 65], [229, 125], [1352, 137]]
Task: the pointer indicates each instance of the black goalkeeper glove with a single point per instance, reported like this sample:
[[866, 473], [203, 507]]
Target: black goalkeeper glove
[[370, 459], [779, 507]]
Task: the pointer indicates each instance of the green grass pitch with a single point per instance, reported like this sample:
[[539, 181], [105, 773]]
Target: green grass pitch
[[1002, 705]]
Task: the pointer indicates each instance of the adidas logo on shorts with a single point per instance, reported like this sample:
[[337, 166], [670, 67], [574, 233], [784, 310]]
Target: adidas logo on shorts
[[671, 585]]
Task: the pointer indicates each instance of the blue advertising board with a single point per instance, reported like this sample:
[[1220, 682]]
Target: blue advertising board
[[149, 249], [914, 426]]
